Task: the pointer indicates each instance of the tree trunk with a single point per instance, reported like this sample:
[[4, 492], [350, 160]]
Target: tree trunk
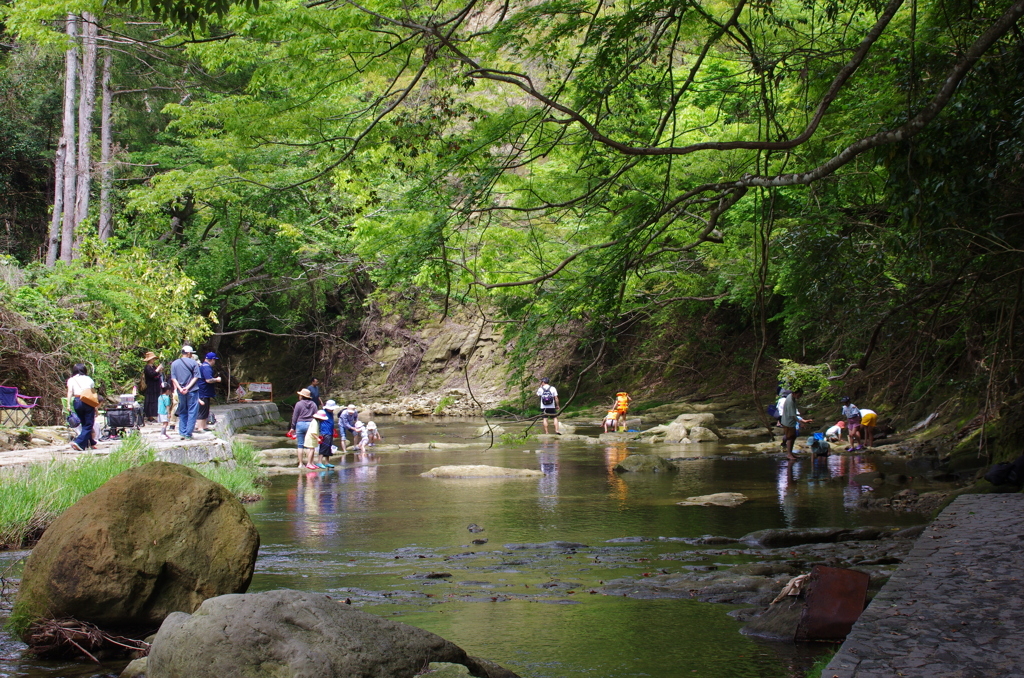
[[71, 71], [106, 215], [53, 242], [86, 104]]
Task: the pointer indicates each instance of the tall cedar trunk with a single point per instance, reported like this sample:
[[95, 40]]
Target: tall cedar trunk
[[86, 104], [53, 242], [68, 222], [106, 216]]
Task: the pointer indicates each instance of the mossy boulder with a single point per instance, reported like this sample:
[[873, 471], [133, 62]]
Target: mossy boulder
[[153, 540], [285, 634], [644, 463]]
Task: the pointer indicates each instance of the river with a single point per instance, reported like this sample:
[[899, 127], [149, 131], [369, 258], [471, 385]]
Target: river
[[375, 533]]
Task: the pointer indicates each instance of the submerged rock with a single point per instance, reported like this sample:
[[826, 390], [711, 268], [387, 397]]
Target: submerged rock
[[813, 535], [729, 499], [285, 634], [480, 471], [645, 463], [156, 539]]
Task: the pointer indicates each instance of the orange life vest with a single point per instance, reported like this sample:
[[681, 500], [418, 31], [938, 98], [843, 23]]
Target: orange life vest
[[621, 401]]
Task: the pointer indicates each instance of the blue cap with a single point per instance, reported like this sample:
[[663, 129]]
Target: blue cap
[[211, 354]]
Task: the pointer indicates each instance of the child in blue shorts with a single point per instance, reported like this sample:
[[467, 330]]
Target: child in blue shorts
[[326, 438]]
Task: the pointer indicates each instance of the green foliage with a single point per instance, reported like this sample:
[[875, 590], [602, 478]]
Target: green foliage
[[819, 664], [107, 308], [444, 402], [814, 379], [513, 437]]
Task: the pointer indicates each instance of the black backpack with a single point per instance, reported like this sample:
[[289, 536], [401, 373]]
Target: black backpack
[[546, 399], [1007, 472]]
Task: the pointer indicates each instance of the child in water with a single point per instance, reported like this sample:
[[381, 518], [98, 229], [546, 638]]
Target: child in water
[[622, 401], [312, 440], [362, 437], [163, 409], [611, 421], [326, 438], [372, 434]]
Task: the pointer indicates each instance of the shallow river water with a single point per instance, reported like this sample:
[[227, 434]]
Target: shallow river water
[[375, 533]]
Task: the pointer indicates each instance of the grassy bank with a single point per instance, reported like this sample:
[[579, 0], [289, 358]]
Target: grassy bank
[[32, 497]]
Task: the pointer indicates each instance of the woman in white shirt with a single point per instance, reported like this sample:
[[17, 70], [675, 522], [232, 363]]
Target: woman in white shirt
[[79, 383]]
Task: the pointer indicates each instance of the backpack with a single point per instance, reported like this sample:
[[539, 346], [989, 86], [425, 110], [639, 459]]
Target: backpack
[[546, 399], [773, 412], [1007, 472]]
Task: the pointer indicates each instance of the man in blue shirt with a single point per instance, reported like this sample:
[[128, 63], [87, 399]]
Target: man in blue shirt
[[207, 391], [185, 377]]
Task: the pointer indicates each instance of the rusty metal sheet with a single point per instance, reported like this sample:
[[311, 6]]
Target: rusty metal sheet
[[835, 598]]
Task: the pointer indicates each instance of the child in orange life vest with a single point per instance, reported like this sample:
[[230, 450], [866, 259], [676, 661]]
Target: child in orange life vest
[[622, 401], [611, 420]]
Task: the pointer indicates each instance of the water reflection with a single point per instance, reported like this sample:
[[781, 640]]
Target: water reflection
[[322, 495], [613, 454], [547, 488], [822, 470]]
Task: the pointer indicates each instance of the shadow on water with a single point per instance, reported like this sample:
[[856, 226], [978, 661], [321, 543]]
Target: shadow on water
[[527, 593]]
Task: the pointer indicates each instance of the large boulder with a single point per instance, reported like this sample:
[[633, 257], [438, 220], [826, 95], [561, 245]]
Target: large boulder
[[699, 434], [285, 634], [645, 463], [156, 539], [676, 433], [702, 419]]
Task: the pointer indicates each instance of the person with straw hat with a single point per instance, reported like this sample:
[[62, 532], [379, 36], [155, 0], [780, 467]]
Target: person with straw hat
[[153, 377], [302, 417]]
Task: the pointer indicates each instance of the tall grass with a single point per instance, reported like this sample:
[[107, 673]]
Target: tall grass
[[32, 497]]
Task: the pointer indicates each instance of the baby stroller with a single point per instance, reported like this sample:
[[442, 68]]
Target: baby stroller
[[123, 418]]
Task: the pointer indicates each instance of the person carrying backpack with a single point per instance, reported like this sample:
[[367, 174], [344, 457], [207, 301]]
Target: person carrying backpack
[[548, 403]]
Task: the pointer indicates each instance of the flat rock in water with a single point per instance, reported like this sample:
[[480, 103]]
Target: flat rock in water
[[153, 540], [480, 471], [644, 463], [286, 634], [729, 499]]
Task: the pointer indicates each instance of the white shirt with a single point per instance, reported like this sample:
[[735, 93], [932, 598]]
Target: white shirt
[[834, 432], [79, 384], [867, 411], [550, 390]]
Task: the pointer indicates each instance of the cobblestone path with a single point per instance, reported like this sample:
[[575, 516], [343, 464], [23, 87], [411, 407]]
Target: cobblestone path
[[955, 607]]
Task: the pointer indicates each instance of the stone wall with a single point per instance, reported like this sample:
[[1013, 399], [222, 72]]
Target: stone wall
[[230, 418], [197, 452]]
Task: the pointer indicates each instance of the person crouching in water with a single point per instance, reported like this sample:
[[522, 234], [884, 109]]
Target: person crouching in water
[[611, 421], [372, 434], [326, 438]]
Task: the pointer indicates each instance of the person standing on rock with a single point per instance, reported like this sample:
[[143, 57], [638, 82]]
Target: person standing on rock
[[347, 421], [548, 403], [622, 401], [789, 419], [152, 375], [302, 416], [207, 391], [81, 387], [314, 392], [185, 376]]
